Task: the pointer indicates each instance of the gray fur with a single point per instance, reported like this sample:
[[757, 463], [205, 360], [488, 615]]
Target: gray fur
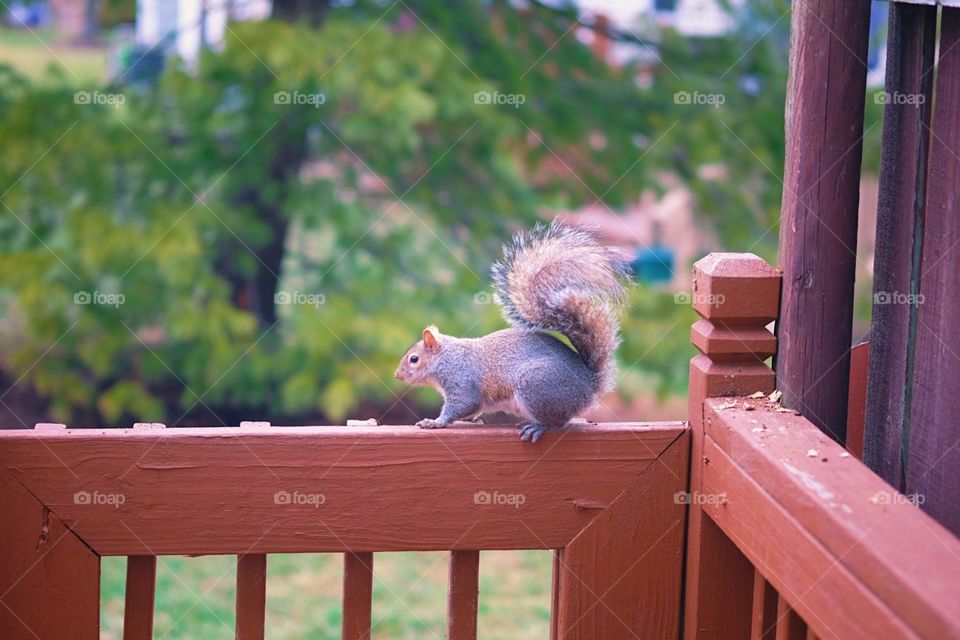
[[558, 279]]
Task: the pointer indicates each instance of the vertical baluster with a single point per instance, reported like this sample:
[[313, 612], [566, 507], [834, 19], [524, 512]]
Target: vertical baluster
[[462, 596], [251, 596], [790, 626], [138, 604], [357, 595], [764, 622]]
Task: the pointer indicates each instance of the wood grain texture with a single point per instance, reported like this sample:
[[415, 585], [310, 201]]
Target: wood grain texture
[[763, 624], [789, 625], [901, 209], [821, 191], [462, 595], [830, 535], [621, 576], [314, 489], [251, 596], [139, 600], [49, 579], [357, 595], [933, 453], [736, 295]]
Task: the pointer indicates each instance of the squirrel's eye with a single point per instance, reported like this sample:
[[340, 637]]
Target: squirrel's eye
[[414, 359]]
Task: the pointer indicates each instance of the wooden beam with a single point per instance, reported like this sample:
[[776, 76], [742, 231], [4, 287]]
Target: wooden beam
[[138, 602], [901, 210], [933, 438], [818, 225], [315, 489], [49, 579], [736, 296], [828, 533], [357, 595], [251, 596], [629, 586], [462, 595]]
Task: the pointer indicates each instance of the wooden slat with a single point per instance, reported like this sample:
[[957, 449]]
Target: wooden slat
[[139, 600], [357, 595], [49, 579], [900, 213], [789, 625], [462, 595], [624, 586], [764, 621], [555, 594], [737, 296], [821, 191], [251, 596], [829, 534], [933, 465], [857, 404], [312, 489]]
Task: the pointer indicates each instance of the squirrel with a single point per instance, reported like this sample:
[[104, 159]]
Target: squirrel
[[555, 278]]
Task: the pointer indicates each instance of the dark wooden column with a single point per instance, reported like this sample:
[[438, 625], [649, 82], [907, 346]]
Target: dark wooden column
[[818, 227]]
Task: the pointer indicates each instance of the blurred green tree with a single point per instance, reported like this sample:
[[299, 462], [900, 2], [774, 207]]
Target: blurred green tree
[[268, 232]]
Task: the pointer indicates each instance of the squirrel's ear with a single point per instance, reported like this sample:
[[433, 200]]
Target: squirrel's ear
[[430, 338]]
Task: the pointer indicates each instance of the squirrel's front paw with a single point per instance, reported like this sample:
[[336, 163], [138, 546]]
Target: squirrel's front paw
[[430, 423]]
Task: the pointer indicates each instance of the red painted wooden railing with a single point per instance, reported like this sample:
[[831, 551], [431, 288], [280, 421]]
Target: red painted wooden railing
[[788, 536]]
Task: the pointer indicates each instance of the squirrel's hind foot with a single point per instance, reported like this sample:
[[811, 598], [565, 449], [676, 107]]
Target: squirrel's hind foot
[[532, 432], [430, 423]]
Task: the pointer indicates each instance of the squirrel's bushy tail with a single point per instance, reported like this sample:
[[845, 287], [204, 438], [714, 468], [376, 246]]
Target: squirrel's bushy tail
[[560, 278]]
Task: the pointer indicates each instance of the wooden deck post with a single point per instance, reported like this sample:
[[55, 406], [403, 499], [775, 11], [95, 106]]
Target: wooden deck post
[[736, 294], [818, 225]]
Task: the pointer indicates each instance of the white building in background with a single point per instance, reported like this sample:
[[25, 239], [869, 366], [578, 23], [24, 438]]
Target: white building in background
[[185, 27]]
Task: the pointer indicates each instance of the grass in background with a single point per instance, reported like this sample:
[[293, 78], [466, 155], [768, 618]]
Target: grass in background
[[31, 52], [195, 596]]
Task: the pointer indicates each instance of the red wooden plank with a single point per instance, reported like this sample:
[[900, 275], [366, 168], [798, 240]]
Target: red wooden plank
[[736, 295], [621, 577], [229, 491], [555, 594], [900, 214], [139, 600], [462, 595], [835, 519], [789, 625], [933, 464], [251, 596], [857, 404], [49, 579], [821, 191], [357, 595], [764, 621]]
